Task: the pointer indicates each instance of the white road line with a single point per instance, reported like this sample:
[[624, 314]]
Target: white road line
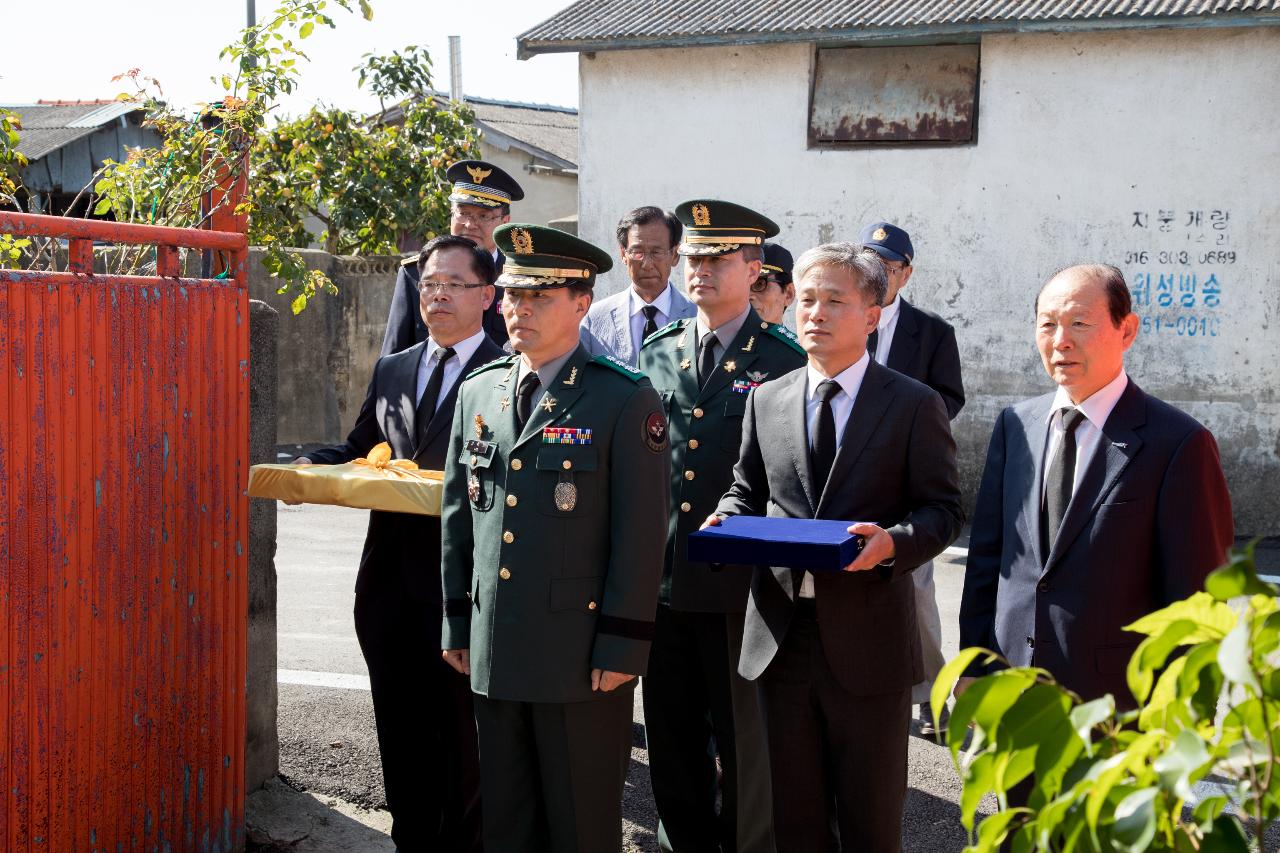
[[322, 638], [339, 680]]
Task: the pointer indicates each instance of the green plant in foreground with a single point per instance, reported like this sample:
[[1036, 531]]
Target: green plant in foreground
[[1208, 690]]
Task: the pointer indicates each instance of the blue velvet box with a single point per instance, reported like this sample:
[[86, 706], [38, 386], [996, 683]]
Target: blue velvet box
[[799, 543]]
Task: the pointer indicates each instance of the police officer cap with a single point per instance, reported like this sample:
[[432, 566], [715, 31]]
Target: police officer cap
[[889, 241], [777, 263], [542, 258], [480, 183], [714, 227]]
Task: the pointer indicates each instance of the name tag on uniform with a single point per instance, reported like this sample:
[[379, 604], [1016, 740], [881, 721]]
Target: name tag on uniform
[[565, 435], [744, 386], [480, 448]]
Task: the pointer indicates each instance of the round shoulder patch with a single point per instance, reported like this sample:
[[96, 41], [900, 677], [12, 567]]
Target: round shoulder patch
[[655, 432]]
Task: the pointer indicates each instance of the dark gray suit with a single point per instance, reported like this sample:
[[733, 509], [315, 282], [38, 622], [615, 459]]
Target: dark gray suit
[[1150, 518], [426, 730], [836, 674], [405, 326]]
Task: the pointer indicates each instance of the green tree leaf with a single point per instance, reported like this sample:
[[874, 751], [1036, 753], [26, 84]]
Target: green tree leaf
[[1183, 764], [1213, 618], [1135, 825], [1085, 717], [305, 29], [1236, 660]]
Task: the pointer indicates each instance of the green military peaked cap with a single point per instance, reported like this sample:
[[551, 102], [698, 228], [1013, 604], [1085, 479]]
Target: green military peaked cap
[[715, 227], [544, 258]]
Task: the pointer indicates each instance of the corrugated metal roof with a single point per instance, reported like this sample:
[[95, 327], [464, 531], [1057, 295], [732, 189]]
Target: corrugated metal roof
[[616, 24], [48, 126]]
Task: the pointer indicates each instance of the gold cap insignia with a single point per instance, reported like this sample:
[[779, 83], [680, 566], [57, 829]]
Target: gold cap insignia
[[879, 234], [478, 175], [522, 242], [701, 216]]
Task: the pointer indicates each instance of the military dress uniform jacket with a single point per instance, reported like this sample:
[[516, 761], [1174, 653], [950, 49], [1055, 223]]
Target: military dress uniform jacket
[[706, 432], [553, 551]]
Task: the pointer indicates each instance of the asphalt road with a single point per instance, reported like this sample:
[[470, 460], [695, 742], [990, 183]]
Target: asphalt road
[[327, 740]]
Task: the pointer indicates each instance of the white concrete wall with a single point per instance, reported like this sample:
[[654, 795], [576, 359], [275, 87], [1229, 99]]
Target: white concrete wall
[[1075, 134], [546, 196]]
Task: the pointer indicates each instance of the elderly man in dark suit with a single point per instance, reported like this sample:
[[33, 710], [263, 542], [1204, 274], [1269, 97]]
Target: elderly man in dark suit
[[922, 345], [836, 654], [1099, 503], [426, 729]]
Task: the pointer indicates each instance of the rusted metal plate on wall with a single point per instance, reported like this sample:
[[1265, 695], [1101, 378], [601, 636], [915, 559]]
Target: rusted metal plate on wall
[[903, 94], [123, 573]]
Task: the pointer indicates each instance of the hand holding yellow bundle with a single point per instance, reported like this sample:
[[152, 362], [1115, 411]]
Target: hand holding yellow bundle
[[374, 482]]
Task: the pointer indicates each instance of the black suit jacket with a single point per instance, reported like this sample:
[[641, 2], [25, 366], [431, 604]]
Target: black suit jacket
[[400, 547], [924, 348], [405, 326], [1149, 520], [896, 467]]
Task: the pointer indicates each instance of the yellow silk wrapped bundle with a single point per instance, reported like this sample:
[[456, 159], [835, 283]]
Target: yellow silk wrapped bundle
[[375, 482]]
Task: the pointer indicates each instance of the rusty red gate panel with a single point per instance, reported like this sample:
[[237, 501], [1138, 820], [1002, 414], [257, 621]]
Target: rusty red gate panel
[[124, 456]]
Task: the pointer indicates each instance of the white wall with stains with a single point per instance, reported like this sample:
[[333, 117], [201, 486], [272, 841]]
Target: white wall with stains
[[1157, 151]]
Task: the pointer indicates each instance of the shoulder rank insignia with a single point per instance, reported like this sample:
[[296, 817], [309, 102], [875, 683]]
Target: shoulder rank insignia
[[497, 362], [664, 331], [619, 366], [408, 262], [788, 337]]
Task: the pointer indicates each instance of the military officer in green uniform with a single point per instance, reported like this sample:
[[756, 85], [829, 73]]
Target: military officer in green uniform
[[704, 368], [554, 516]]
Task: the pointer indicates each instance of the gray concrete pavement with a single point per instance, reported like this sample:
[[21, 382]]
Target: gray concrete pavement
[[327, 741]]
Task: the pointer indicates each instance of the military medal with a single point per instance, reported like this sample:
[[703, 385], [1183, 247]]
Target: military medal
[[686, 364], [566, 496], [473, 488], [479, 423], [565, 435], [757, 376], [548, 403]]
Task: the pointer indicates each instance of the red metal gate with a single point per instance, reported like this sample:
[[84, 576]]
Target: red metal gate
[[124, 454]]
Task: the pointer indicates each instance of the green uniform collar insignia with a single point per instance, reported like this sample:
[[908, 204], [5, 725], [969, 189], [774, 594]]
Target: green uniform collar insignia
[[785, 335], [673, 326], [497, 362]]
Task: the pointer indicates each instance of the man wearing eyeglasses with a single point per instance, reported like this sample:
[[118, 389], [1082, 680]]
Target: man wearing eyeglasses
[[617, 325], [422, 707], [773, 292], [479, 203], [921, 345]]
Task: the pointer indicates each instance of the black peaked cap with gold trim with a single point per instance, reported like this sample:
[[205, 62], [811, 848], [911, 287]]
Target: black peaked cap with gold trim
[[777, 263], [714, 227], [542, 258], [483, 184]]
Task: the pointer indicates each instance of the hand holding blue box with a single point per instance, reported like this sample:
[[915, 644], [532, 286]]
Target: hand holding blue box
[[798, 543]]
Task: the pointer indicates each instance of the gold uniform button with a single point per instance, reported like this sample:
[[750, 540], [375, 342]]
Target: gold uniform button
[[508, 537], [688, 475], [511, 500], [516, 464], [686, 506], [591, 605], [693, 444], [566, 464], [474, 460], [697, 413], [504, 573]]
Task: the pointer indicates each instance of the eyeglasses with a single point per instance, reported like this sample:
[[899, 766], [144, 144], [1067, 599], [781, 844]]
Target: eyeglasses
[[895, 268], [761, 284], [476, 216], [448, 287], [652, 254]]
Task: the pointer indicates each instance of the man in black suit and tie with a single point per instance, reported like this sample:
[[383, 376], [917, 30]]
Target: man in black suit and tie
[[922, 345], [1099, 503], [836, 654], [479, 203], [426, 728]]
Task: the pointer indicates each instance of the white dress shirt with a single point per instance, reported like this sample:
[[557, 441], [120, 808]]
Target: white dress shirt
[[885, 328], [463, 351], [849, 380], [662, 303], [1097, 408]]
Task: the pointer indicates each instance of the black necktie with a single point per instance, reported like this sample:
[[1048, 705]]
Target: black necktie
[[431, 394], [650, 321], [1059, 480], [872, 340], [706, 358], [524, 398], [824, 434]]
